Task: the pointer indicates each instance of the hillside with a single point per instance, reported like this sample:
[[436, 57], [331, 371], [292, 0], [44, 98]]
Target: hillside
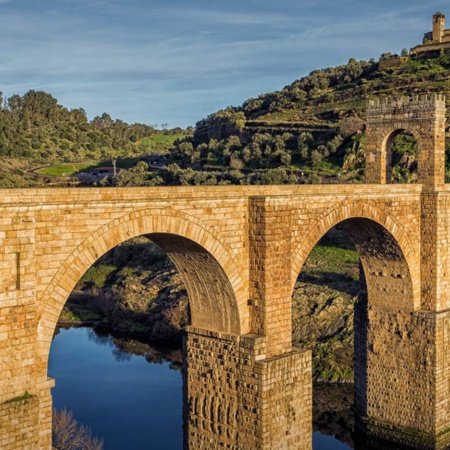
[[310, 131], [36, 131], [316, 124]]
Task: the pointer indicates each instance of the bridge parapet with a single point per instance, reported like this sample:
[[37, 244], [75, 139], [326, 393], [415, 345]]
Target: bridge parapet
[[416, 102]]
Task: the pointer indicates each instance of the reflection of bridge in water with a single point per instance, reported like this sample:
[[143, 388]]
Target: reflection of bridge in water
[[239, 251]]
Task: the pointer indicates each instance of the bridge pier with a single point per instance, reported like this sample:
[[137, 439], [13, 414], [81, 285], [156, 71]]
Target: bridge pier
[[402, 376], [236, 398], [402, 371]]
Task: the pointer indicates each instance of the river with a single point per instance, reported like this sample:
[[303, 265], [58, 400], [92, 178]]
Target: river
[[130, 393]]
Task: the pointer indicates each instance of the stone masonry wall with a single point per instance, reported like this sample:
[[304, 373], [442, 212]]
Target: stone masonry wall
[[19, 424], [235, 398], [442, 374], [249, 240], [424, 117], [270, 272], [435, 251], [395, 378]]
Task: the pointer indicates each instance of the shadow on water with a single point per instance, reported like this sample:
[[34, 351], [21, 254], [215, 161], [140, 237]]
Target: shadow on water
[[332, 411], [123, 348]]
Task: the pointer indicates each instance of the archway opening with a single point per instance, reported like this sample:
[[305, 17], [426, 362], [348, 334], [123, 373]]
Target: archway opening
[[134, 287], [136, 295], [402, 152], [355, 268]]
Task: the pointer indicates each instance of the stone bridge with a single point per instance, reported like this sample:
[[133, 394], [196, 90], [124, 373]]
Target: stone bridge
[[239, 250]]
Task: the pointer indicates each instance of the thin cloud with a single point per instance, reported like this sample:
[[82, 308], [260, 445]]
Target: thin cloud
[[174, 63]]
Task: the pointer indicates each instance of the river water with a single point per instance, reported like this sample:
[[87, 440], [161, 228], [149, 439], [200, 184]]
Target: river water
[[130, 393]]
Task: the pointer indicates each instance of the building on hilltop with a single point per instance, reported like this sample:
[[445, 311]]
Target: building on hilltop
[[434, 42]]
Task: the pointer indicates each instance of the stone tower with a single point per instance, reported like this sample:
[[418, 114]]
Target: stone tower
[[424, 117], [438, 27]]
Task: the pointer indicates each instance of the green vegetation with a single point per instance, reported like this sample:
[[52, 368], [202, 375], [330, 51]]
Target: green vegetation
[[98, 274], [159, 144], [25, 396], [315, 125], [336, 259], [64, 169], [35, 131], [133, 288], [310, 131], [323, 303]]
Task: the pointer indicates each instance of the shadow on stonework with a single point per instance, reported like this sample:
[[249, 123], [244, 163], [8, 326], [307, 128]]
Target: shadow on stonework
[[333, 415], [333, 411]]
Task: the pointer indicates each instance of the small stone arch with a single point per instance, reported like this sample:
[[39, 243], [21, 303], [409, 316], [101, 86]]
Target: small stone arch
[[424, 117], [212, 277], [390, 134], [383, 247]]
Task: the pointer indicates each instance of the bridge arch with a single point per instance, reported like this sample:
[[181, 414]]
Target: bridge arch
[[386, 148], [424, 117], [216, 291], [384, 249]]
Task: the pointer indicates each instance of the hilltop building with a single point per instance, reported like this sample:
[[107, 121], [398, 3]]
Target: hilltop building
[[434, 42]]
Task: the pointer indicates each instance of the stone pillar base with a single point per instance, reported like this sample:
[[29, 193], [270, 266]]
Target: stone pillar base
[[236, 398], [379, 436], [26, 421], [402, 373]]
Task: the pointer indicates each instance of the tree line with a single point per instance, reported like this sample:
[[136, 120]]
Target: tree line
[[35, 127]]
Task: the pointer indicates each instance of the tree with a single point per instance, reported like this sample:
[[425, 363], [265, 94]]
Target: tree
[[316, 158], [136, 176], [68, 434]]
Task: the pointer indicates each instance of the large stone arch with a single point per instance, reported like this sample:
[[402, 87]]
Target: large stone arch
[[383, 247], [389, 342], [216, 290]]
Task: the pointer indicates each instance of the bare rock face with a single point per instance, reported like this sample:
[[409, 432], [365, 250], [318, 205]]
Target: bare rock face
[[323, 322]]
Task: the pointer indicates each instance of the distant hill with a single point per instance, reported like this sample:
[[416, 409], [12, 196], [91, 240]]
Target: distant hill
[[321, 116], [36, 131]]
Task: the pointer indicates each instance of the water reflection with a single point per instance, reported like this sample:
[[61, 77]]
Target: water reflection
[[130, 393], [333, 416], [332, 412], [109, 385]]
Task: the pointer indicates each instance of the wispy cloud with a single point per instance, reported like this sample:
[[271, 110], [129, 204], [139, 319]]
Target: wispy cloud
[[154, 61]]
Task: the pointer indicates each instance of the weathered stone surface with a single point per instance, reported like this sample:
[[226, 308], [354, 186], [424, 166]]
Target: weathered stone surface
[[239, 250], [235, 398]]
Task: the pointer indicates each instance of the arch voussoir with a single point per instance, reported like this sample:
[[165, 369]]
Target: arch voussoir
[[147, 222]]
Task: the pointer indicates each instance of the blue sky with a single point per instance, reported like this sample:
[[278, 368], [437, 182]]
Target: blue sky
[[176, 61]]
